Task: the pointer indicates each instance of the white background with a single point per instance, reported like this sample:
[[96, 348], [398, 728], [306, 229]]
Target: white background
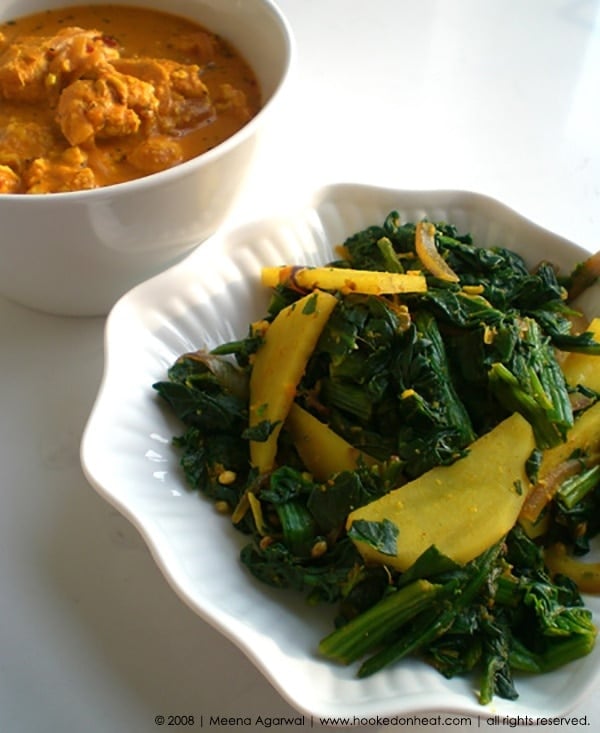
[[500, 97]]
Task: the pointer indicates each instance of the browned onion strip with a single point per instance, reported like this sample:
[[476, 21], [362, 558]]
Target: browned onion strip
[[544, 490]]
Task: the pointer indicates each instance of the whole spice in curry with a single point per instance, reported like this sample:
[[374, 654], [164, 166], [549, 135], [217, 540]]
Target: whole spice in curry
[[93, 96]]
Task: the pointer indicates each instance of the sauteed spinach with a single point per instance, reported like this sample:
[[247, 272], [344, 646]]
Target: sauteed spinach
[[395, 386]]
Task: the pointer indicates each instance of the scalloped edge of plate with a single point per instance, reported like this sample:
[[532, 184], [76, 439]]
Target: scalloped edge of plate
[[126, 455]]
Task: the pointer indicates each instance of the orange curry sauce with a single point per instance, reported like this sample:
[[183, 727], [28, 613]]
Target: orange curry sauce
[[92, 96]]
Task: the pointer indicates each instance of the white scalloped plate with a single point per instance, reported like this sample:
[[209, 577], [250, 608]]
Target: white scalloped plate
[[126, 454]]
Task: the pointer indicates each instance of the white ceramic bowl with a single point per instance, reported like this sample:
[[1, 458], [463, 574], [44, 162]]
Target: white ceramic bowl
[[127, 456], [77, 253]]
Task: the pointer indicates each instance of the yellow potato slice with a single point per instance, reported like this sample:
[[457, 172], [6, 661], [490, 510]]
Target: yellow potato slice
[[279, 365], [462, 509]]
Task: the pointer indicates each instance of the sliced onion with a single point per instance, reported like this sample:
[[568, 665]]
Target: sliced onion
[[428, 253], [543, 492]]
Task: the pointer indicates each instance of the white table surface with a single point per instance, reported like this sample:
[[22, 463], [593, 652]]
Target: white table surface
[[498, 96]]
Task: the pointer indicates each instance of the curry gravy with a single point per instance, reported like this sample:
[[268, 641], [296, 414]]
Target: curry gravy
[[92, 96]]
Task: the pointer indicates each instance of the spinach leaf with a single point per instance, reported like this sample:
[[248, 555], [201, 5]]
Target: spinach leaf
[[379, 535]]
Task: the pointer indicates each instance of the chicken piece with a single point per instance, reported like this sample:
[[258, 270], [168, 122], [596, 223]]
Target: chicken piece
[[156, 154], [151, 71], [23, 70], [37, 68], [184, 99], [233, 100], [77, 53], [191, 101], [24, 141], [113, 105], [10, 182], [66, 171], [186, 79]]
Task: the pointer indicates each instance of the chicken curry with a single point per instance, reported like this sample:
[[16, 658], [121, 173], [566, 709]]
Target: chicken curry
[[92, 96]]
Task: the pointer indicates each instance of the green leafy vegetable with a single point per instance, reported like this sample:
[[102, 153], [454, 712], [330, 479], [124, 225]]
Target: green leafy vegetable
[[409, 381], [380, 535]]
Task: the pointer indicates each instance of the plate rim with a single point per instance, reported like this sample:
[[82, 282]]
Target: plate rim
[[129, 307]]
